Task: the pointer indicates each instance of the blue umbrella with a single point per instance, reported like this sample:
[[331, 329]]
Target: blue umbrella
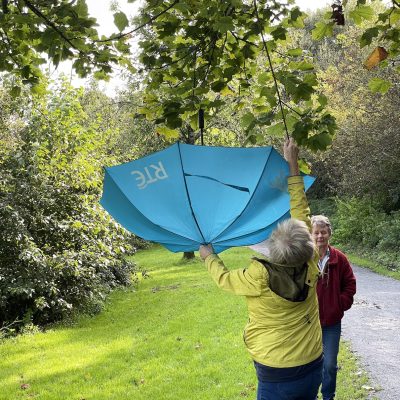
[[187, 195]]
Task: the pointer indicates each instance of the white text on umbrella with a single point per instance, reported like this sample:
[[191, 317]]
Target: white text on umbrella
[[151, 174]]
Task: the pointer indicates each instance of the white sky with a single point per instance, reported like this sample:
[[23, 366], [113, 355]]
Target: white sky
[[100, 9]]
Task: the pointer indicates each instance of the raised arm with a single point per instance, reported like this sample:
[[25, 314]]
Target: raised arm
[[291, 154], [299, 208]]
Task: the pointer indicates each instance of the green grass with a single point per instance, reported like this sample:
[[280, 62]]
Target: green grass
[[177, 336], [374, 266]]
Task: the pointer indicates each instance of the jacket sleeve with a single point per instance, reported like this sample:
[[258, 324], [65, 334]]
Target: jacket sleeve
[[299, 208], [244, 282], [347, 284]]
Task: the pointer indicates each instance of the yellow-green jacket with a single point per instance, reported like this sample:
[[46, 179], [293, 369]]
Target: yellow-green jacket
[[280, 333]]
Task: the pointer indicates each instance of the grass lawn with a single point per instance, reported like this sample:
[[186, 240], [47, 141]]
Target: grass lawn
[[374, 266], [176, 336]]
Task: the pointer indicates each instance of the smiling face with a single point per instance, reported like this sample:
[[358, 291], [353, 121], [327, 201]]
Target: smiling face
[[321, 234]]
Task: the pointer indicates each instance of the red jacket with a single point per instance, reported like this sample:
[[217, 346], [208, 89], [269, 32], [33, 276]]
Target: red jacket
[[336, 288]]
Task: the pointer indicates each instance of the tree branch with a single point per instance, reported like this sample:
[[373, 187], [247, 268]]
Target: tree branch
[[5, 6], [291, 108], [272, 70], [120, 36], [243, 40], [50, 23]]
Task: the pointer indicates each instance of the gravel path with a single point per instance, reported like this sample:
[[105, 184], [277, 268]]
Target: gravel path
[[372, 326]]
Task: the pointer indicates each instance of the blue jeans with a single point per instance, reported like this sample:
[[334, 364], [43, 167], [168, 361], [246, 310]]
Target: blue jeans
[[330, 340], [305, 388]]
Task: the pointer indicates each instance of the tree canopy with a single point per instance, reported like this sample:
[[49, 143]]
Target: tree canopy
[[34, 31], [199, 55]]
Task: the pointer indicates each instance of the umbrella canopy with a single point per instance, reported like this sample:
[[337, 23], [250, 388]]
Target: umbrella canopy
[[187, 195]]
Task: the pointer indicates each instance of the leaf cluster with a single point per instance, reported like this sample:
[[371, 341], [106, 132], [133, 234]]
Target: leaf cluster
[[202, 55], [33, 32]]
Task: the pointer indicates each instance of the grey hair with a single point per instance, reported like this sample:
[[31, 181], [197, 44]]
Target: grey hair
[[290, 243], [322, 221]]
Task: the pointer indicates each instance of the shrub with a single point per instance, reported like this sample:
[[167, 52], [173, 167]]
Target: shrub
[[389, 233], [325, 207], [356, 222], [59, 250]]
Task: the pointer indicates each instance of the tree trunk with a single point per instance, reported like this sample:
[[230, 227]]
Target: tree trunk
[[188, 255]]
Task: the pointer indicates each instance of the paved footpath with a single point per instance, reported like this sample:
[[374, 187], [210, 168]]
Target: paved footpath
[[372, 326]]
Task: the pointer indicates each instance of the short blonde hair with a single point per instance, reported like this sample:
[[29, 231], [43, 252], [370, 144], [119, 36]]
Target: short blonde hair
[[290, 243], [321, 221]]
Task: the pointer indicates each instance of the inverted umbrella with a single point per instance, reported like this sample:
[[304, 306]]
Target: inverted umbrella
[[187, 195]]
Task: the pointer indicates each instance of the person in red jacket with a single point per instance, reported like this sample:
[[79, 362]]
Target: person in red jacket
[[335, 289]]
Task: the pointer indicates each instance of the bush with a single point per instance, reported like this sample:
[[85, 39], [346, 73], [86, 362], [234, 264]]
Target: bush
[[325, 207], [356, 222], [138, 243], [59, 251], [361, 226], [389, 233]]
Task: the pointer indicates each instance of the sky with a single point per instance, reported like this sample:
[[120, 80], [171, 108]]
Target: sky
[[100, 9]]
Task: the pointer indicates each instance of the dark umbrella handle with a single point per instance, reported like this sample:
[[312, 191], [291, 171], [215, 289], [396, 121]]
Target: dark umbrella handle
[[201, 125]]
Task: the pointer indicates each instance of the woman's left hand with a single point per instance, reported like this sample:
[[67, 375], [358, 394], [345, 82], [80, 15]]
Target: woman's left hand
[[205, 251]]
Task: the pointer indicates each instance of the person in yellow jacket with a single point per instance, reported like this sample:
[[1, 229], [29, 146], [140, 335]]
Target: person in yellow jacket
[[283, 333]]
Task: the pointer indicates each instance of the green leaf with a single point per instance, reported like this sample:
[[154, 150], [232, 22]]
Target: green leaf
[[301, 130], [269, 93], [167, 132], [224, 24], [301, 66], [182, 7], [276, 130], [295, 52], [395, 16], [320, 141], [378, 85], [368, 36], [304, 166], [322, 30], [15, 91], [322, 100], [279, 33], [120, 20], [310, 79], [297, 18], [304, 92], [218, 86], [263, 78], [81, 9], [247, 120], [362, 12]]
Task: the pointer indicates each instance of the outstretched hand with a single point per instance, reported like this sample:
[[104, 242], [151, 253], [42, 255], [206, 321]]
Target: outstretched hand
[[291, 154], [205, 251]]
